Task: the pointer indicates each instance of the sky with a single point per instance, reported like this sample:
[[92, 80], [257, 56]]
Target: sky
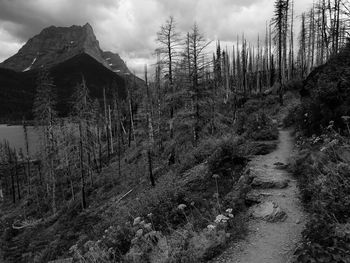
[[129, 27]]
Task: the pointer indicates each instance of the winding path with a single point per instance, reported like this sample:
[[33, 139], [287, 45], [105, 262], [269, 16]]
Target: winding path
[[268, 240]]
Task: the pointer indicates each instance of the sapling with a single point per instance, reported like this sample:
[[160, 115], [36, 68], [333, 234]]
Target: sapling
[[346, 121], [216, 176], [182, 207]]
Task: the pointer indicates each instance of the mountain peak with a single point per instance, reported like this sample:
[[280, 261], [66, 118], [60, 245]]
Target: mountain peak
[[87, 25], [54, 45]]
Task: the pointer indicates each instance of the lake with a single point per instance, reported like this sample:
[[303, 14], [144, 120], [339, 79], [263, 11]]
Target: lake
[[14, 134]]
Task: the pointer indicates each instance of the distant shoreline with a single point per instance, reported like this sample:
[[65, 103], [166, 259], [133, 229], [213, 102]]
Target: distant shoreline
[[18, 122]]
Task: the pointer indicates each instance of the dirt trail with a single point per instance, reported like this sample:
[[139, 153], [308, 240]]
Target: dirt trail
[[269, 240]]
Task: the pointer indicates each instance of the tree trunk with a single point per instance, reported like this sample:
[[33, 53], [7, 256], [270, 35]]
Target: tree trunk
[[82, 182]]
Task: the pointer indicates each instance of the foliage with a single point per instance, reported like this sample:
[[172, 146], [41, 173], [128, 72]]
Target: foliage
[[326, 94], [322, 169], [256, 126], [182, 218]]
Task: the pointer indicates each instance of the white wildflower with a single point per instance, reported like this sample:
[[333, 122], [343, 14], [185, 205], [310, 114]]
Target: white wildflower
[[148, 226], [137, 221], [139, 233], [323, 149], [211, 227], [221, 218], [229, 210], [181, 206]]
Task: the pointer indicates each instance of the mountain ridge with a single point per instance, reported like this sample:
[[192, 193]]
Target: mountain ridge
[[54, 45], [67, 53]]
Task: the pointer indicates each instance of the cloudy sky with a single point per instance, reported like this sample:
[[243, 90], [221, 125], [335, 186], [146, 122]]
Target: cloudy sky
[[129, 27]]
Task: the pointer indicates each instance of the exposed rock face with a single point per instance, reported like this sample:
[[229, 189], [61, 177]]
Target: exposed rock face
[[55, 45]]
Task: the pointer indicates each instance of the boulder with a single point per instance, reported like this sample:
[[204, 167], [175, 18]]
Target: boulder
[[265, 183], [268, 211]]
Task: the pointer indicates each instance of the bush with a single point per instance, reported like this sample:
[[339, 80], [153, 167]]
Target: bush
[[327, 94], [256, 126], [294, 116], [323, 173]]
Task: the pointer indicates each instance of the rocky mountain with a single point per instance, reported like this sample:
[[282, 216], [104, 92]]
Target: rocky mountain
[[57, 44], [68, 53]]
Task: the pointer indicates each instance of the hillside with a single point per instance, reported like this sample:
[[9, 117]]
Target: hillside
[[326, 93], [234, 154]]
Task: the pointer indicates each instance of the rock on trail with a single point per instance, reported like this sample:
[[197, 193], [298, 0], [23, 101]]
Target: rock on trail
[[276, 218]]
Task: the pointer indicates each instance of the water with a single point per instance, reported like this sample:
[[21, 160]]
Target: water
[[14, 134]]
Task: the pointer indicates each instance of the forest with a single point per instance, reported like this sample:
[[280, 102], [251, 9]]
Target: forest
[[143, 178]]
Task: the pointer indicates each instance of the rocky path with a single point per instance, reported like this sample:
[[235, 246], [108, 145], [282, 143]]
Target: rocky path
[[277, 218]]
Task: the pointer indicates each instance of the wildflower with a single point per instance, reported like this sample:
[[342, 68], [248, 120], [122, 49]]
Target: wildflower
[[148, 226], [221, 218], [73, 248], [211, 227], [229, 210], [149, 215], [345, 118], [139, 233], [230, 215], [215, 176], [181, 206], [137, 221], [192, 203], [333, 142]]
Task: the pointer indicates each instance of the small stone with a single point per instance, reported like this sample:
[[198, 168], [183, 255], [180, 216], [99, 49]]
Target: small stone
[[298, 222]]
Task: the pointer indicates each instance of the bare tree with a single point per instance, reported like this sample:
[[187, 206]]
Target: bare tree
[[170, 41]]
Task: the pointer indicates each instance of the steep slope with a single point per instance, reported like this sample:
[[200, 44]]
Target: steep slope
[[326, 94]]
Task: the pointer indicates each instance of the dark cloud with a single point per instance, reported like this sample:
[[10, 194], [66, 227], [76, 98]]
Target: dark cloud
[[129, 26]]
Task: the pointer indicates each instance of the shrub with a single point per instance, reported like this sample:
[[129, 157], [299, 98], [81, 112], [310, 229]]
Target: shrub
[[256, 126], [326, 94], [322, 170]]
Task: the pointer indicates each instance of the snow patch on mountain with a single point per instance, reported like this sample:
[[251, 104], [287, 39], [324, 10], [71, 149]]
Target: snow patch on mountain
[[30, 66]]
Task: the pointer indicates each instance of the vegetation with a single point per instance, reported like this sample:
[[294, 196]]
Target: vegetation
[[322, 164], [322, 169], [157, 173]]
